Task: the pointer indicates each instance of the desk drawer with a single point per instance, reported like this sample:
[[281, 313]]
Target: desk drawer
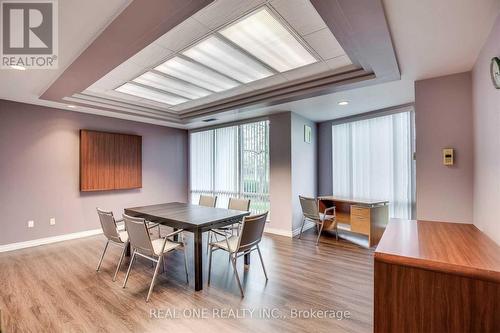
[[360, 211], [360, 224]]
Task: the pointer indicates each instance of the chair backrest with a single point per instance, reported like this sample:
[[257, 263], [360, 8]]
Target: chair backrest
[[239, 204], [138, 234], [309, 207], [108, 225], [251, 231], [207, 201]]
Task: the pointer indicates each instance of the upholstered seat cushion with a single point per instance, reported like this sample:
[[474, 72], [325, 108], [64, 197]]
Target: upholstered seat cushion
[[233, 244], [158, 244], [326, 217], [123, 236]]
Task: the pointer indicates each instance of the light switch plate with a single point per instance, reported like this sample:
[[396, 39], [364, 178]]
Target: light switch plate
[[52, 221], [31, 224]]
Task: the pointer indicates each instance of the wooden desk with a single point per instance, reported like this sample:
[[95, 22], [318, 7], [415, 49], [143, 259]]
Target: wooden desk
[[365, 217], [436, 277], [192, 218]]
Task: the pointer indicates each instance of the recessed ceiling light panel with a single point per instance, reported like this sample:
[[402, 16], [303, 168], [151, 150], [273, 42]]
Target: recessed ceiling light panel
[[215, 53], [196, 74], [172, 85], [343, 103], [139, 91], [266, 38]]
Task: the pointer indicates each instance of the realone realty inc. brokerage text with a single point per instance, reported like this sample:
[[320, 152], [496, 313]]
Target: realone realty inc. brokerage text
[[248, 313]]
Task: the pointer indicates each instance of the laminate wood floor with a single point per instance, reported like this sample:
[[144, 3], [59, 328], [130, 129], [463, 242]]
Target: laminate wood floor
[[55, 288]]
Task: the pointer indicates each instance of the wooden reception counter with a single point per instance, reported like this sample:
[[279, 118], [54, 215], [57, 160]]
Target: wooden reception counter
[[436, 277]]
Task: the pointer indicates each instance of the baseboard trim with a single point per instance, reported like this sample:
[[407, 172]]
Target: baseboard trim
[[308, 225], [49, 240]]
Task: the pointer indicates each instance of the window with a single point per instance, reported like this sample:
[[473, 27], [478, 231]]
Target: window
[[372, 159], [231, 162]]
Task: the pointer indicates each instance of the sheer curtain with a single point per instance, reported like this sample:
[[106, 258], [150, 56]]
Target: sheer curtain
[[372, 159], [231, 162]]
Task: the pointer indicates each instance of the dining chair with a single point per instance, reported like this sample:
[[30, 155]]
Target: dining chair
[[310, 211], [246, 242], [234, 204], [113, 236], [207, 201], [153, 250]]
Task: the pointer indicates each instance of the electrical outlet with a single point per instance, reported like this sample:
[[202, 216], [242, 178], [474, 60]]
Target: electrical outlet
[[31, 224], [52, 221]]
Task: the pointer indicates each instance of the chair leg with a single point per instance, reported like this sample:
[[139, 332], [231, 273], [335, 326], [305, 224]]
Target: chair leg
[[159, 231], [160, 261], [302, 227], [237, 276], [209, 239], [262, 262], [209, 263], [336, 232], [128, 270], [319, 232], [102, 256], [120, 261], [186, 265]]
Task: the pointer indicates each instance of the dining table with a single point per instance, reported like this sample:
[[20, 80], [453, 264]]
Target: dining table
[[191, 218]]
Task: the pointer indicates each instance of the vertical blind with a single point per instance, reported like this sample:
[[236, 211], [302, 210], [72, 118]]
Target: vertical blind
[[231, 162], [372, 159]]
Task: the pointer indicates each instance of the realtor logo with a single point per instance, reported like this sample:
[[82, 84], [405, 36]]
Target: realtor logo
[[29, 34]]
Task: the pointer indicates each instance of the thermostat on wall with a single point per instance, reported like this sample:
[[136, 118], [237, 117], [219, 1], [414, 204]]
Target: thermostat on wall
[[448, 156]]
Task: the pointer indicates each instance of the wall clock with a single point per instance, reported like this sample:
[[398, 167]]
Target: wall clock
[[495, 72]]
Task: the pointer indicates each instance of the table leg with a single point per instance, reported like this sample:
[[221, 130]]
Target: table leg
[[198, 260], [176, 237], [247, 258], [127, 251]]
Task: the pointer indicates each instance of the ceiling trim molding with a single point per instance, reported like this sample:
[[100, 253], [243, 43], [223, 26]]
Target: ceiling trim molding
[[283, 93]]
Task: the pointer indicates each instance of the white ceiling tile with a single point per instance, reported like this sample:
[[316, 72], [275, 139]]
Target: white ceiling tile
[[306, 71], [221, 12], [182, 35], [325, 44], [300, 14], [150, 55], [338, 62]]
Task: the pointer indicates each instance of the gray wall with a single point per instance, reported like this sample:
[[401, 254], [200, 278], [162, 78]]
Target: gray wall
[[293, 165], [39, 170], [443, 119], [325, 158], [486, 120], [280, 156], [304, 166]]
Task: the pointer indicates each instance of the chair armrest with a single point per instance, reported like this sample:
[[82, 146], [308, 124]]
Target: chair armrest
[[218, 232], [329, 209], [225, 237], [153, 225], [174, 233]]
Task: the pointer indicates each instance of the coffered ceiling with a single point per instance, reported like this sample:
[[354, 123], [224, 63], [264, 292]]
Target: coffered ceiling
[[196, 62], [212, 58]]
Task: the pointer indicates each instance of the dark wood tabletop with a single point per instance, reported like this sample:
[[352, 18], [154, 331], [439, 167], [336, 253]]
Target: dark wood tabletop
[[192, 218], [186, 216]]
